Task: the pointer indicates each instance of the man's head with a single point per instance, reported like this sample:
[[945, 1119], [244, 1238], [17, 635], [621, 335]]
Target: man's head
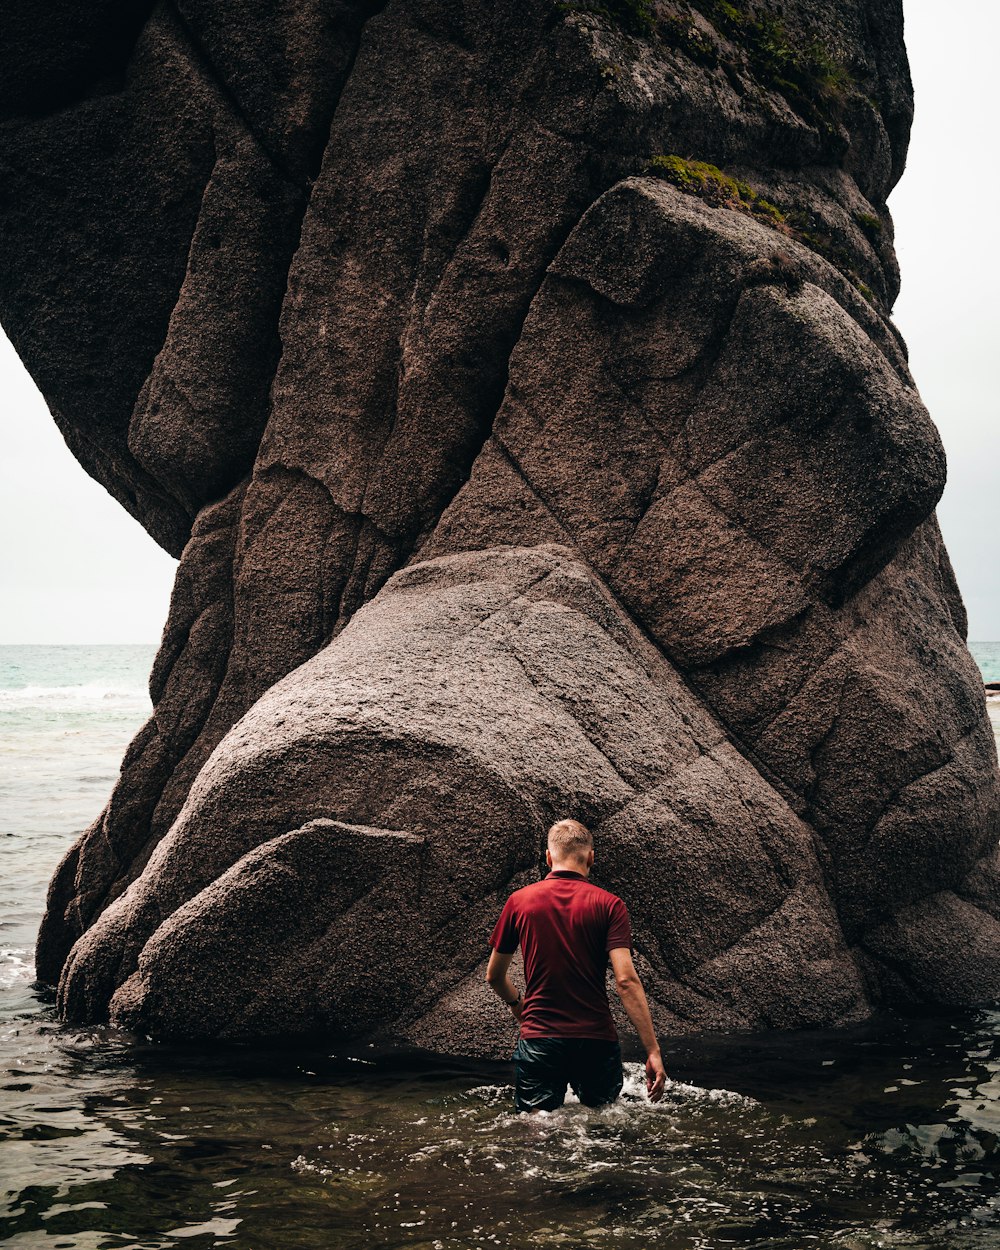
[[571, 847]]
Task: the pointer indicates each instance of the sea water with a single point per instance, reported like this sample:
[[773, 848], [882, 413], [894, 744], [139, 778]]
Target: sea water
[[884, 1135]]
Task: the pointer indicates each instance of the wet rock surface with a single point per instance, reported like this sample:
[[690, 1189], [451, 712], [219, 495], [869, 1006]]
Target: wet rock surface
[[517, 468]]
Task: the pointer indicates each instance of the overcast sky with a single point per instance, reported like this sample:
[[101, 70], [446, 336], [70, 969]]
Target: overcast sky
[[74, 567]]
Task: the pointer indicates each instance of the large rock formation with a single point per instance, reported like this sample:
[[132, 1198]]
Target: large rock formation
[[517, 386]]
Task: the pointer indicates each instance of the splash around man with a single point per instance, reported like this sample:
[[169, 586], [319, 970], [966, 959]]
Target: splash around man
[[568, 928]]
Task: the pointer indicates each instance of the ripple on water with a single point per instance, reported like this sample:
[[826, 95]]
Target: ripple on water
[[885, 1136], [759, 1142]]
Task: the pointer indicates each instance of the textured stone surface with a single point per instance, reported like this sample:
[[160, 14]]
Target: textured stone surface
[[326, 292], [341, 852]]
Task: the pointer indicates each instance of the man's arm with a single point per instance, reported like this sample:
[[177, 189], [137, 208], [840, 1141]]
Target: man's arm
[[500, 983], [633, 998]]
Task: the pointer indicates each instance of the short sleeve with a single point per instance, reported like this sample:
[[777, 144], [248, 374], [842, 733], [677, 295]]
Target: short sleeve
[[505, 939], [619, 926]]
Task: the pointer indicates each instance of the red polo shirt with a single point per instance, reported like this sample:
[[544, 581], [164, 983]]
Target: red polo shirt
[[565, 927]]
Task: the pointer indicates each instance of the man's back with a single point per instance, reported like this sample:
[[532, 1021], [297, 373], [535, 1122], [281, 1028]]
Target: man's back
[[568, 928], [565, 926]]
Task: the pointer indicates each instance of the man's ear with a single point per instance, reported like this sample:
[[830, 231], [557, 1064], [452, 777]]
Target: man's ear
[[548, 858], [590, 859]]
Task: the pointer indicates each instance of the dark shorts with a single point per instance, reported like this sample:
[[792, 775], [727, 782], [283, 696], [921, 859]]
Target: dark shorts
[[544, 1066]]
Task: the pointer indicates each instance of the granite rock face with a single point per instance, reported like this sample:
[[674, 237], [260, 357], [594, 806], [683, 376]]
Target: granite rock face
[[375, 805], [517, 386]]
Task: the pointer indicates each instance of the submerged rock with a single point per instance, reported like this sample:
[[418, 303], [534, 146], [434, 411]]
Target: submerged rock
[[518, 387]]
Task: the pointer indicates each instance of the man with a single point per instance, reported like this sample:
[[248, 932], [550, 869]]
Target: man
[[567, 928]]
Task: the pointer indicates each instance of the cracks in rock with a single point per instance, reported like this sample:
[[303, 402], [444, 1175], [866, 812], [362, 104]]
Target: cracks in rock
[[534, 490], [176, 491], [358, 576], [743, 748], [238, 495], [838, 646], [231, 106], [584, 732], [492, 402], [769, 639], [898, 964], [761, 641], [477, 187], [701, 369], [743, 937], [218, 86], [639, 412], [335, 616], [898, 967], [949, 757], [810, 792], [816, 581], [514, 333], [691, 479], [782, 869], [366, 10], [352, 581], [100, 831], [177, 640], [706, 358], [296, 471], [520, 597], [410, 542]]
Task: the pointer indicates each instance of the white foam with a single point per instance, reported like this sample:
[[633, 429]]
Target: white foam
[[675, 1094], [494, 1095], [81, 697], [14, 968]]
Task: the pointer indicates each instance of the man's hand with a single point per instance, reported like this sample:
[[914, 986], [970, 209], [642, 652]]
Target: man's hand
[[634, 1001], [518, 1007], [656, 1076]]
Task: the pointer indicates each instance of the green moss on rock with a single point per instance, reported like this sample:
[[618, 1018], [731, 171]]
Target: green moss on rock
[[870, 226], [711, 184], [809, 77], [720, 189]]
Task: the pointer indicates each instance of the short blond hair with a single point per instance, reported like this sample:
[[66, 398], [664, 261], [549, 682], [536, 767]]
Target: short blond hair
[[568, 839]]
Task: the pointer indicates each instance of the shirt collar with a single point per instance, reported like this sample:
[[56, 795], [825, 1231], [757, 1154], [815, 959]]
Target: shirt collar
[[565, 872]]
